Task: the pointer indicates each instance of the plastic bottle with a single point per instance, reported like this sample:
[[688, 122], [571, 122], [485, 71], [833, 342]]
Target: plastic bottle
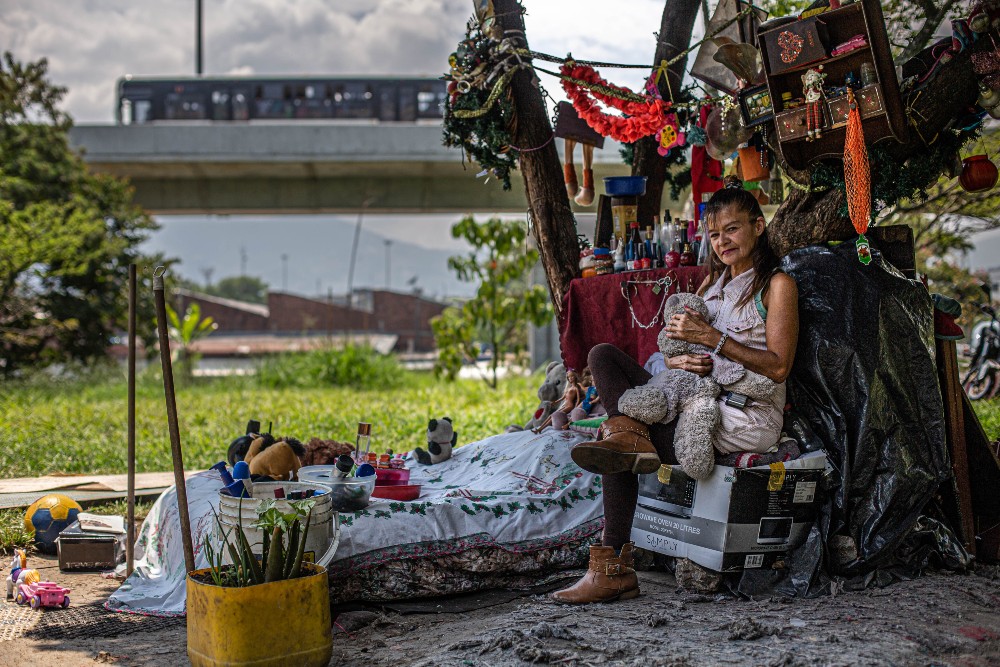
[[666, 236], [797, 427], [619, 257]]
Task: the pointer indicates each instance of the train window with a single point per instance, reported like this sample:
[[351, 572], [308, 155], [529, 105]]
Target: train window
[[220, 105], [407, 103], [241, 108], [426, 102], [185, 106], [353, 100], [387, 103], [142, 111]]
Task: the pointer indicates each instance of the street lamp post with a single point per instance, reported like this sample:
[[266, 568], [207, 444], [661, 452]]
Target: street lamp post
[[388, 265], [198, 62]]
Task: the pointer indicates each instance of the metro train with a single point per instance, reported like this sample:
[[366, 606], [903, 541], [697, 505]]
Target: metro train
[[211, 98]]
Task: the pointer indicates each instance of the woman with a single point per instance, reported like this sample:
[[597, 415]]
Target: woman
[[754, 314]]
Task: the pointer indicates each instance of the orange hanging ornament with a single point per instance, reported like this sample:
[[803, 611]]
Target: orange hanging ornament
[[857, 178]]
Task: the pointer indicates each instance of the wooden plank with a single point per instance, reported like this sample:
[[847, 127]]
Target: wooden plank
[[952, 393], [984, 476]]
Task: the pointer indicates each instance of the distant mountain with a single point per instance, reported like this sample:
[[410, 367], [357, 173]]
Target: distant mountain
[[318, 250]]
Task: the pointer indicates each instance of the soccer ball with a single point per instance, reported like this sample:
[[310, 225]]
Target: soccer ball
[[47, 517]]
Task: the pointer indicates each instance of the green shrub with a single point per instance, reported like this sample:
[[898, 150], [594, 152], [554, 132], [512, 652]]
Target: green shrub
[[352, 366]]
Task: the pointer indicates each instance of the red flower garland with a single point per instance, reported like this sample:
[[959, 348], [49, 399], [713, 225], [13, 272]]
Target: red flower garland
[[644, 118]]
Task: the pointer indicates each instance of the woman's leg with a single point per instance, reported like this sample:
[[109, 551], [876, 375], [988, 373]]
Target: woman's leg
[[614, 373]]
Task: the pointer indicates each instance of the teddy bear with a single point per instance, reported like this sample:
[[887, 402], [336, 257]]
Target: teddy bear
[[277, 458], [441, 439], [689, 398], [549, 393]]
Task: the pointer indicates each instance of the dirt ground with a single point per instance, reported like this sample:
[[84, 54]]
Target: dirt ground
[[939, 619]]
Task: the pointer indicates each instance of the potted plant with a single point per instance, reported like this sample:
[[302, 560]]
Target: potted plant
[[267, 610]]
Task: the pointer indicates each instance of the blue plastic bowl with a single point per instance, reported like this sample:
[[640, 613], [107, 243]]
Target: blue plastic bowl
[[625, 186]]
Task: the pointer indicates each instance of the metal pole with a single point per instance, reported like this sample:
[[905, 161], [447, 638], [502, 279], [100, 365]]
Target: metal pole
[[284, 272], [175, 436], [198, 69], [130, 527], [388, 270]]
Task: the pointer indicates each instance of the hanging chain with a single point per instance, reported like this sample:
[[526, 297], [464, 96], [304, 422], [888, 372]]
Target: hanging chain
[[663, 284]]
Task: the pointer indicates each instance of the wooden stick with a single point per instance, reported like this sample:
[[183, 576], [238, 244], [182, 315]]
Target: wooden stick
[[175, 436], [130, 526]]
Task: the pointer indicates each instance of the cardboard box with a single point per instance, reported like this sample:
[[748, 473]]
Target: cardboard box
[[737, 518], [84, 550]]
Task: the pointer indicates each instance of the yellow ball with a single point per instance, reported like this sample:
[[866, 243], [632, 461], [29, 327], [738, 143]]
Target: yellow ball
[[48, 516]]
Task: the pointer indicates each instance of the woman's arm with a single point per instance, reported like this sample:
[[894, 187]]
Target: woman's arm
[[781, 332]]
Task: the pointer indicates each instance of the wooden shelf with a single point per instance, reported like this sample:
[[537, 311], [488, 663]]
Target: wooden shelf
[[825, 61]]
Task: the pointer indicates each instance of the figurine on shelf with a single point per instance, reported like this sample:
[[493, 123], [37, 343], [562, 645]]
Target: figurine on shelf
[[812, 88], [571, 398]]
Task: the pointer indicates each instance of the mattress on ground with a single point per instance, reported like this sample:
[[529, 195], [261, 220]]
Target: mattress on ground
[[503, 510]]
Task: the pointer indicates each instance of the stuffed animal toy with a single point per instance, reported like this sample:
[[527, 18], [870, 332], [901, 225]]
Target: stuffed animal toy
[[277, 458], [689, 398], [324, 452], [548, 395], [441, 439]]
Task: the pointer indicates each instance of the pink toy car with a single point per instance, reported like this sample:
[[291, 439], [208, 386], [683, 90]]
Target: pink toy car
[[43, 594]]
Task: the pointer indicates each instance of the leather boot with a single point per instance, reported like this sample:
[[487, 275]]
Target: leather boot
[[569, 176], [586, 194], [608, 578], [623, 445]]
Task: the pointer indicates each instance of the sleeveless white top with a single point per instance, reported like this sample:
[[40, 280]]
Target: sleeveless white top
[[756, 428]]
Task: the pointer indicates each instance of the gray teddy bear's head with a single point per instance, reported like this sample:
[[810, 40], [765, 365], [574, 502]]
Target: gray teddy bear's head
[[671, 347]]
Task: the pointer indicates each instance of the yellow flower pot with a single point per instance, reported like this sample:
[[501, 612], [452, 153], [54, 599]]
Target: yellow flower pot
[[280, 623]]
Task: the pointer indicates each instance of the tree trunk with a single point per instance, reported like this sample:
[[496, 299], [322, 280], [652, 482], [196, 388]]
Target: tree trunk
[[551, 216], [676, 26]]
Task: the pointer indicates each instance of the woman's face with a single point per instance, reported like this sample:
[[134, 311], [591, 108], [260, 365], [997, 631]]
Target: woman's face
[[733, 236]]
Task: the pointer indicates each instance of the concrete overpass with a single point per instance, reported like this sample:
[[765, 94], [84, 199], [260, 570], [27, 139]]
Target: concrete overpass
[[301, 167]]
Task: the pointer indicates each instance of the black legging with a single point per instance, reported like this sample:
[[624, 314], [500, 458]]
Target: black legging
[[615, 372]]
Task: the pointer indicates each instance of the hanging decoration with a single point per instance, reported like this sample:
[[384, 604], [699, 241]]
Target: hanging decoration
[[670, 136], [857, 178], [587, 91], [979, 174]]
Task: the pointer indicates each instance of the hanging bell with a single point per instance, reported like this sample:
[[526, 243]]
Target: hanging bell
[[989, 99], [776, 188]]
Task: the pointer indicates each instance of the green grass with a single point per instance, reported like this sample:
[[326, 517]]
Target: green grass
[[80, 426], [989, 416]]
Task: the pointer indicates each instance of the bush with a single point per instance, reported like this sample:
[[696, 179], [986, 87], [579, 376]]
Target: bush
[[354, 366]]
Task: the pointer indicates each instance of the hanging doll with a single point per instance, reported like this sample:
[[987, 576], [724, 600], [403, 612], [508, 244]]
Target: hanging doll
[[584, 196], [812, 88]]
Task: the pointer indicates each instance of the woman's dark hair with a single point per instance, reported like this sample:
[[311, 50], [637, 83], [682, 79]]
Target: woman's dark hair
[[734, 196]]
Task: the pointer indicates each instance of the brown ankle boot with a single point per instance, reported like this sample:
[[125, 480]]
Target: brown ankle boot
[[569, 175], [623, 446], [608, 578]]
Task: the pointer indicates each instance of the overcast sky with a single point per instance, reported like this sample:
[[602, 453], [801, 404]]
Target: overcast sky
[[91, 43]]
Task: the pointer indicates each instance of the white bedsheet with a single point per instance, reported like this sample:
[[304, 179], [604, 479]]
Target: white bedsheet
[[517, 491]]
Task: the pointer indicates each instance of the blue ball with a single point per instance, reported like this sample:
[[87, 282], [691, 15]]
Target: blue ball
[[48, 516]]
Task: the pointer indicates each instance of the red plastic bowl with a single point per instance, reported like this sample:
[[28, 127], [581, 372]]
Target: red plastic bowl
[[392, 476], [397, 492]]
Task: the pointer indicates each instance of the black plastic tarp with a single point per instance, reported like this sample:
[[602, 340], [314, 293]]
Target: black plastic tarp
[[865, 380]]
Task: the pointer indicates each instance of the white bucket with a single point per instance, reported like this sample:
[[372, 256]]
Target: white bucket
[[324, 525]]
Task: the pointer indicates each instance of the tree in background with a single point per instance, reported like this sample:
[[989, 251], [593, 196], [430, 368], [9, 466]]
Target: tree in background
[[184, 332], [504, 304], [66, 236], [240, 288]]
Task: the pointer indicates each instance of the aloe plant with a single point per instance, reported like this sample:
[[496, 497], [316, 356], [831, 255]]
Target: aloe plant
[[278, 562]]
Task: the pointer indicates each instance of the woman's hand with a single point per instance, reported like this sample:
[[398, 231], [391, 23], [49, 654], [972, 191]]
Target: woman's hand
[[691, 327], [699, 364]]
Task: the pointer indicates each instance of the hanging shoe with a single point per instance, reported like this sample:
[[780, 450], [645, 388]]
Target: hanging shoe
[[609, 577], [623, 445], [569, 175], [586, 195]]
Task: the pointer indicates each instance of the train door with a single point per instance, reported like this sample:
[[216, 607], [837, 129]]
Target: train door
[[387, 102], [407, 103]]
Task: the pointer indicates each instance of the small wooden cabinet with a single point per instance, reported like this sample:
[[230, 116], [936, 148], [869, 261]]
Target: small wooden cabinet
[[880, 102]]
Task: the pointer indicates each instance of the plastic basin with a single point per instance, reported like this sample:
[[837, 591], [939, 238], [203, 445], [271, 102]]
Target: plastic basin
[[624, 186], [397, 492]]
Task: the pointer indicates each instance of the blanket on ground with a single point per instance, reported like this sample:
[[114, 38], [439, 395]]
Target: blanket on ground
[[517, 497]]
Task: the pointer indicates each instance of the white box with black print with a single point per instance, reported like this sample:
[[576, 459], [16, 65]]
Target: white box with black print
[[738, 518]]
